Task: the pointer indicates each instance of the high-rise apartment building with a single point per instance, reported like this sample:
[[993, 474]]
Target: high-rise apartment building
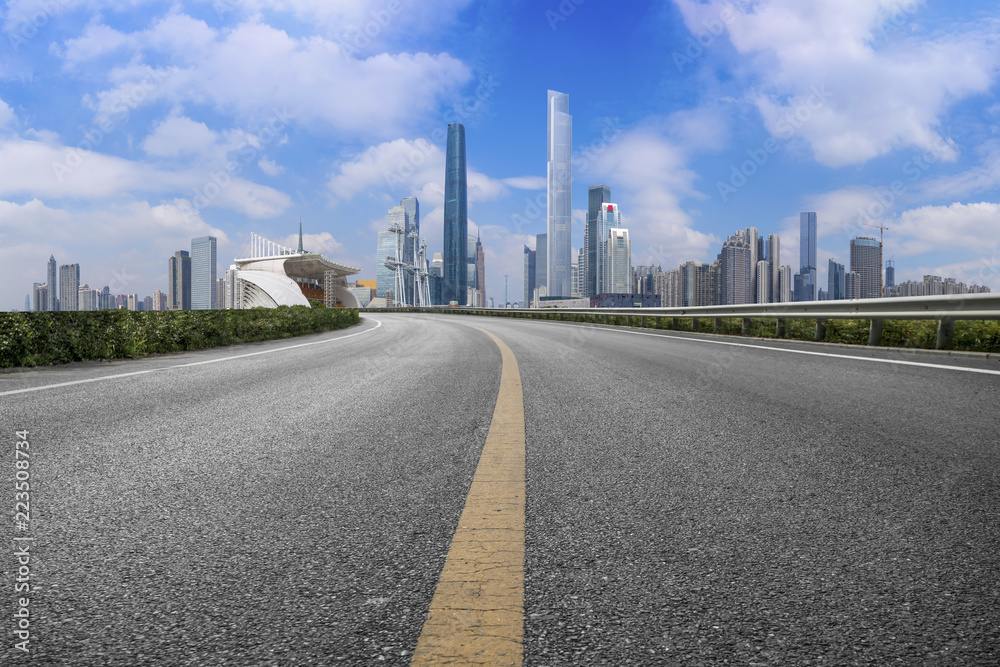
[[619, 262], [805, 279], [456, 218], [529, 276], [735, 272], [851, 285], [69, 287], [40, 296], [596, 196], [560, 203], [52, 290], [835, 287], [179, 280], [220, 294], [866, 262], [580, 282], [785, 283], [87, 299], [203, 273], [160, 299], [763, 291]]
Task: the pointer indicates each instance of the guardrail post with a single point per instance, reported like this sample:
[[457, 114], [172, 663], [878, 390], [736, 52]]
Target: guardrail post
[[642, 321], [945, 332], [673, 323], [746, 326], [820, 330], [694, 324], [779, 328], [717, 326], [875, 333]]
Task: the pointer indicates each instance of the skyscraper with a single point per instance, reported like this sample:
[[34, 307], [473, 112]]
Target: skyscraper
[[471, 276], [608, 218], [541, 257], [179, 279], [560, 204], [203, 273], [619, 262], [411, 223], [805, 279], [529, 276], [774, 266], [580, 286], [52, 293], [596, 195], [835, 287], [456, 218], [480, 272], [763, 291], [866, 262], [385, 277], [890, 273], [752, 236], [40, 297], [69, 286], [735, 270]]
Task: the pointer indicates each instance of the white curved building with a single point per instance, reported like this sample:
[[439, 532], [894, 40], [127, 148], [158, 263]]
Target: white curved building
[[277, 276]]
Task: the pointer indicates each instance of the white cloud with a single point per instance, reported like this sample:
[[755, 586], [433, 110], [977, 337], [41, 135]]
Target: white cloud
[[270, 167], [526, 182], [7, 115], [254, 69], [179, 135], [972, 227], [825, 75]]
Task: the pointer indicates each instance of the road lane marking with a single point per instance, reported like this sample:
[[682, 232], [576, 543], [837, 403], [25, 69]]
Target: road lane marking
[[791, 351], [477, 613], [193, 363]]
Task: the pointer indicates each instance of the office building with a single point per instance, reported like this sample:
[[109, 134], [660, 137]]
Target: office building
[[220, 294], [529, 276], [774, 266], [596, 196], [456, 218], [51, 294], [608, 218], [560, 205], [753, 248], [580, 282], [835, 286], [541, 256], [890, 273], [179, 281], [480, 272], [618, 262], [851, 285], [69, 286], [203, 273], [805, 279], [385, 277], [866, 262]]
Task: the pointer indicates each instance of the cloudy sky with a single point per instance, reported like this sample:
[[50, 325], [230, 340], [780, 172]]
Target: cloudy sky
[[127, 127]]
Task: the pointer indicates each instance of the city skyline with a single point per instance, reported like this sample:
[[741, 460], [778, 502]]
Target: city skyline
[[138, 139]]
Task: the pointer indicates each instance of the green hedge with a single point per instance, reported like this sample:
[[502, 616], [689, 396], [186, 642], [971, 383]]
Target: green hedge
[[40, 339]]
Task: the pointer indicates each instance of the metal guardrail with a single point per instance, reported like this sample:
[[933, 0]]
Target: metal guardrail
[[945, 309]]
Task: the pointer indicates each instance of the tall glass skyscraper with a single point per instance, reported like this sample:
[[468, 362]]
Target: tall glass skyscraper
[[541, 259], [456, 218], [596, 195], [529, 276], [560, 206], [179, 279], [608, 218], [805, 281], [203, 273], [51, 296], [835, 276], [385, 277]]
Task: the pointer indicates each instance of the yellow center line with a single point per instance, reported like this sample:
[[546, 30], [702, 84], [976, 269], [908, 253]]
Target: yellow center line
[[477, 613]]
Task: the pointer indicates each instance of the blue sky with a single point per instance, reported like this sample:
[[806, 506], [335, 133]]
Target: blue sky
[[127, 127]]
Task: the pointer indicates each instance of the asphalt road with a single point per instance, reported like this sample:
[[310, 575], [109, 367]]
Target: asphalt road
[[688, 502]]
